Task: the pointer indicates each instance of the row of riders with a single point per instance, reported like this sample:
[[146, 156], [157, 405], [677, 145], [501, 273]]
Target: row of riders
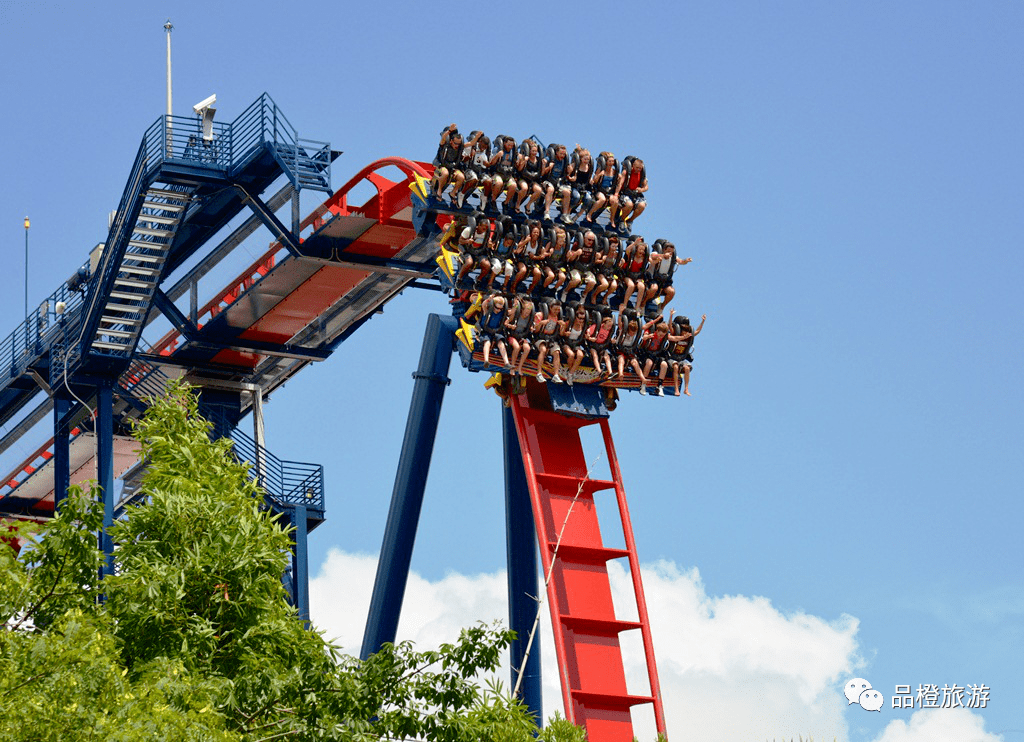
[[603, 273], [602, 268], [656, 351], [531, 182]]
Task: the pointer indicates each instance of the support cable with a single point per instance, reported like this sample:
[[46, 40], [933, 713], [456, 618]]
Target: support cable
[[547, 580]]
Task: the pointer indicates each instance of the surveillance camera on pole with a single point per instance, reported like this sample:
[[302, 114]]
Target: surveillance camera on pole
[[205, 110]]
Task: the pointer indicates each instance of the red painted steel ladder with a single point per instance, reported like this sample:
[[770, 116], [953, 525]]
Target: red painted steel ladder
[[583, 618]]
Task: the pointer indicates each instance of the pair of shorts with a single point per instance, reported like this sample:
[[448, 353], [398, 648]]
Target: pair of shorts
[[451, 166], [635, 196], [499, 267], [584, 277]]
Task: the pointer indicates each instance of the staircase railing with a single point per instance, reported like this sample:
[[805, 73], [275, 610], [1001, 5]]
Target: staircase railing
[[285, 482], [33, 336], [306, 160], [117, 241], [181, 138]]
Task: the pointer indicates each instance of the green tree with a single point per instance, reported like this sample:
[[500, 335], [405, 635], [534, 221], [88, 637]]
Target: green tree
[[194, 638]]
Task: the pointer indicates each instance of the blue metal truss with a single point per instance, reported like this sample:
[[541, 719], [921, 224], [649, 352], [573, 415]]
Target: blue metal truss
[[182, 188]]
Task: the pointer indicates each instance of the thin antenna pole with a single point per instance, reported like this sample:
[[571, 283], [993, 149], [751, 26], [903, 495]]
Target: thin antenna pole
[[168, 27], [27, 225]]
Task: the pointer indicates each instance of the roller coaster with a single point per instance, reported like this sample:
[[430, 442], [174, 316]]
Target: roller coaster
[[81, 360]]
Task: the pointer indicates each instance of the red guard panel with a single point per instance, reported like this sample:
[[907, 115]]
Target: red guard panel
[[583, 618]]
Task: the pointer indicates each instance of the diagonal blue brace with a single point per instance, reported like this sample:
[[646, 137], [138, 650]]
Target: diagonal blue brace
[[270, 220], [410, 481], [523, 585]]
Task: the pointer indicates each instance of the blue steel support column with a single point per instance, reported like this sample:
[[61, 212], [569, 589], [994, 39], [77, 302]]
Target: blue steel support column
[[61, 450], [410, 481], [300, 562], [105, 468], [523, 585]]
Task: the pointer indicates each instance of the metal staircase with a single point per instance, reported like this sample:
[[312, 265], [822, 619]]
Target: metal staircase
[[574, 560], [306, 162], [124, 309]]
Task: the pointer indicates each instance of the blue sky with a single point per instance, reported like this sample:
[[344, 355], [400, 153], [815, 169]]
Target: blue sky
[[847, 178]]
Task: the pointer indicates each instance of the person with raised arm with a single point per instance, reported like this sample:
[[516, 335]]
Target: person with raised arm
[[448, 165], [680, 353]]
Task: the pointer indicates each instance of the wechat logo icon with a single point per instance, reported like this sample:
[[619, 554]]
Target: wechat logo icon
[[859, 691]]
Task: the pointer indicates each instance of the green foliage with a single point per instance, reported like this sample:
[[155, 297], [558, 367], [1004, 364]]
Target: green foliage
[[195, 640], [61, 677]]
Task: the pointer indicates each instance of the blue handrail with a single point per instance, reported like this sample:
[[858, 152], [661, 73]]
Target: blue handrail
[[34, 335], [285, 482], [120, 233]]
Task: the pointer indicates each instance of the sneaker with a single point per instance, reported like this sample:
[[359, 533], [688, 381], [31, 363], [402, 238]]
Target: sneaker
[[568, 379], [643, 389], [460, 199], [540, 376], [557, 379], [661, 392]]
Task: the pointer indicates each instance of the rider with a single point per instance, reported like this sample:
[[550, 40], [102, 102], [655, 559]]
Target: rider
[[546, 330], [448, 164], [492, 324], [631, 189], [555, 181]]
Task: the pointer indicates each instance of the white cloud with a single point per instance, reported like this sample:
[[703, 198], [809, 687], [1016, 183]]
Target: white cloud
[[731, 667], [734, 667], [433, 612], [939, 725]]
